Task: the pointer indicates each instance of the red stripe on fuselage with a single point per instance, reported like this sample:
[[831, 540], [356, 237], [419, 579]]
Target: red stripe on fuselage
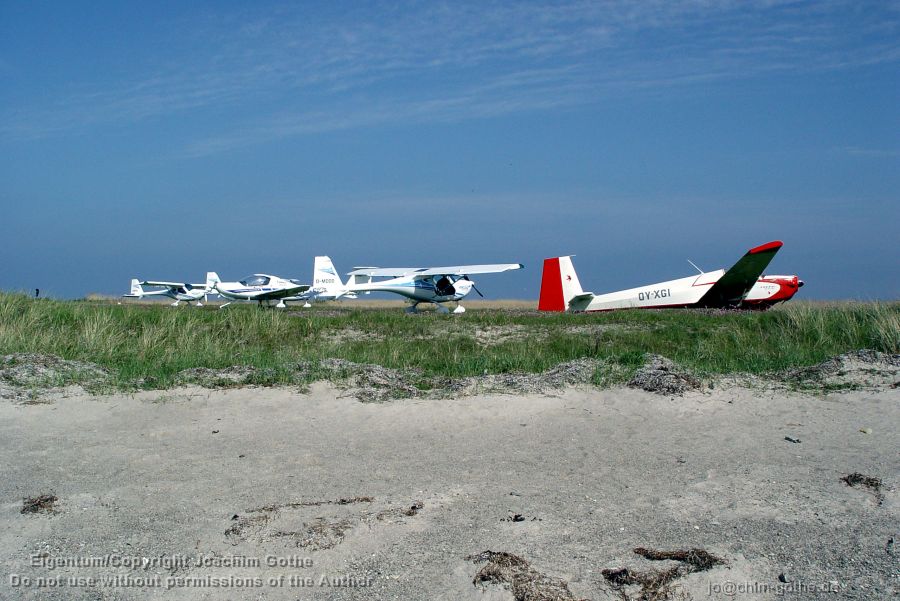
[[680, 306]]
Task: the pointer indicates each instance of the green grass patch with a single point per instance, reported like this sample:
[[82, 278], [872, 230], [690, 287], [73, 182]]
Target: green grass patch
[[152, 344]]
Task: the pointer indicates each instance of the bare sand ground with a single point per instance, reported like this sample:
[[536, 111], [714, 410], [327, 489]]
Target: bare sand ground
[[327, 483]]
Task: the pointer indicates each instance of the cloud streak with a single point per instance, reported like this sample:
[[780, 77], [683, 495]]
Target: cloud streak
[[277, 73]]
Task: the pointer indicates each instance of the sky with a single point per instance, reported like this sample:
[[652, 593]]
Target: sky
[[162, 140]]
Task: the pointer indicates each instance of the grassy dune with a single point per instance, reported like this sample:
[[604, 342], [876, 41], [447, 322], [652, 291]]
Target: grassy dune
[[156, 342]]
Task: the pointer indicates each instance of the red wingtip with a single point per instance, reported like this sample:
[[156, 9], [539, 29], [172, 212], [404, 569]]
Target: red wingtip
[[775, 245]]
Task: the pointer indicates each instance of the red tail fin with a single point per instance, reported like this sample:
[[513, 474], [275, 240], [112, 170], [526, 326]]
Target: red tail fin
[[552, 298]]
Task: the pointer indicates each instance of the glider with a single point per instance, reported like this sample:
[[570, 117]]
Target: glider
[[741, 286]]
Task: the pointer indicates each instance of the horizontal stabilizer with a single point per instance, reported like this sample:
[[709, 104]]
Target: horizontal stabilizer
[[581, 301]]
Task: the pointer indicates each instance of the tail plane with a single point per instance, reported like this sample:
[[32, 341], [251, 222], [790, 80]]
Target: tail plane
[[325, 276], [212, 278], [136, 290], [560, 288]]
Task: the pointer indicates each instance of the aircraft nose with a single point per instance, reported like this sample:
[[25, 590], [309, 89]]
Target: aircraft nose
[[800, 283]]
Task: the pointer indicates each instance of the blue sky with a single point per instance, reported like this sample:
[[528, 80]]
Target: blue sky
[[161, 140]]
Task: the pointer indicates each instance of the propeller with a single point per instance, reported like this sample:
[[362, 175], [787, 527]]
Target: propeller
[[473, 286]]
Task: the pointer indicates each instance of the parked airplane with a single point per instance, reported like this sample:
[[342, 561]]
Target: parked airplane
[[179, 291], [258, 287], [741, 286], [424, 284]]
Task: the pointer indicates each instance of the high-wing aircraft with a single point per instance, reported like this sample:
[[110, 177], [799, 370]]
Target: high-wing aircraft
[[424, 284], [258, 287], [742, 286], [179, 291]]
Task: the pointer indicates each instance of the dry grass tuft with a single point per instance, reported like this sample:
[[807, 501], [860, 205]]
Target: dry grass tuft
[[872, 483], [525, 583], [39, 504], [657, 585]]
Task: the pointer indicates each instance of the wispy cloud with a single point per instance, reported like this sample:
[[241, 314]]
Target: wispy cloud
[[878, 153], [288, 72]]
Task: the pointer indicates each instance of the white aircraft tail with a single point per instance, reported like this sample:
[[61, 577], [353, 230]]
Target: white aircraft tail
[[560, 288], [325, 276], [212, 278], [136, 289]]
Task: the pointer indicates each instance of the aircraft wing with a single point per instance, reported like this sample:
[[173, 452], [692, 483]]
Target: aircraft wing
[[385, 272], [735, 283], [164, 284], [283, 293], [396, 272]]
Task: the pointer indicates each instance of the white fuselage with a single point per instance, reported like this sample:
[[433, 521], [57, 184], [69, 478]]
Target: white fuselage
[[180, 294], [252, 287], [433, 289], [673, 293], [687, 292]]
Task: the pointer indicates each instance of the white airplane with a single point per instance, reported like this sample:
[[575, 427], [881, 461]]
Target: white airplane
[[258, 287], [739, 287], [424, 284], [179, 291]]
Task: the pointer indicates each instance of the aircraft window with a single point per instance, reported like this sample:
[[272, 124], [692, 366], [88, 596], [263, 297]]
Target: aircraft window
[[255, 280], [443, 285]]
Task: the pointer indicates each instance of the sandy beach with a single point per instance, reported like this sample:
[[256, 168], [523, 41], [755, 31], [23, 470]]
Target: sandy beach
[[267, 493]]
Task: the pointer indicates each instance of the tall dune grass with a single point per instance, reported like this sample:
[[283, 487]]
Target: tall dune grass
[[155, 342]]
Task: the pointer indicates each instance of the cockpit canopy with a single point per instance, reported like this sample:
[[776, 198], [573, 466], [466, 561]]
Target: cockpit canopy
[[255, 280], [443, 284]]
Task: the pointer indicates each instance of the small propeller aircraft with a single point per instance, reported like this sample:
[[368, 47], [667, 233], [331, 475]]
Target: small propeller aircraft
[[739, 287], [179, 291], [258, 287], [435, 285]]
